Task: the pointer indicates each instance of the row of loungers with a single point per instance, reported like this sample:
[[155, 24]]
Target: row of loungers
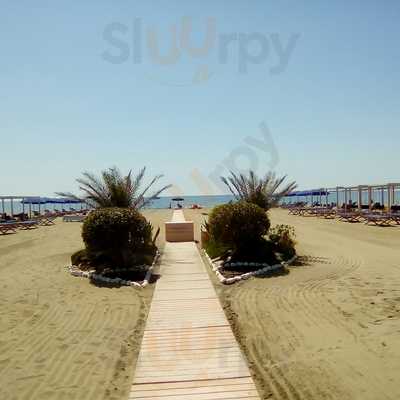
[[63, 212], [375, 218], [366, 216], [12, 226]]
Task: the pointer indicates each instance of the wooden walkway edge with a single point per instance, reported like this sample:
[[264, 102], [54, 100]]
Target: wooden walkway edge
[[188, 349]]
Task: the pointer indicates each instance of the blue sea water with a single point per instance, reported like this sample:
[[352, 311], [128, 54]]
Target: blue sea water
[[204, 201], [162, 202]]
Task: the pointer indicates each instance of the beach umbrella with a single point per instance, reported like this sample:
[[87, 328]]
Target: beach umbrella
[[34, 200], [177, 199]]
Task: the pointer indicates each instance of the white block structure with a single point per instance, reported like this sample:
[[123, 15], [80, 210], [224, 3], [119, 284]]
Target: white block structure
[[179, 230]]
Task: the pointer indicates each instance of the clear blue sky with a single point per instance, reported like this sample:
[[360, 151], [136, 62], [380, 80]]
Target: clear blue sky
[[332, 110]]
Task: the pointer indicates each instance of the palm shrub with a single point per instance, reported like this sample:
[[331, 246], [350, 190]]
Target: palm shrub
[[265, 192], [117, 238], [239, 227], [283, 238], [113, 189]]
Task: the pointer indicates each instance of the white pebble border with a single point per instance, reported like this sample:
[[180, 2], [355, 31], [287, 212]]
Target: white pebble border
[[75, 271], [265, 268]]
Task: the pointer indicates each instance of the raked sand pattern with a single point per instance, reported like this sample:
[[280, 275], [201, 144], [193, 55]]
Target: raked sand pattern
[[328, 330], [331, 328], [60, 336]]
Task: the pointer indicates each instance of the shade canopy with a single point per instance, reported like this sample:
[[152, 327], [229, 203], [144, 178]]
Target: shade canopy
[[316, 192], [178, 199], [48, 200], [34, 200]]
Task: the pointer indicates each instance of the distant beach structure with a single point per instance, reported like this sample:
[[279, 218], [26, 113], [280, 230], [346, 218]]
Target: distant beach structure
[[363, 195], [13, 205], [385, 194]]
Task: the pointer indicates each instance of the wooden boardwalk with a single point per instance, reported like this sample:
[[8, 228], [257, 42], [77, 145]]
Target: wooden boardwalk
[[188, 350], [178, 216]]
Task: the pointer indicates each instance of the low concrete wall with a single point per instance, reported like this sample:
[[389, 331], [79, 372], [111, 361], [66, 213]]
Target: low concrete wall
[[179, 231]]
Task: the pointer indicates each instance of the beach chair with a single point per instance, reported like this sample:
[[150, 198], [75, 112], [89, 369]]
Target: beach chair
[[27, 225], [74, 218], [303, 211], [327, 213], [395, 217], [348, 216], [294, 211], [46, 220], [378, 219], [7, 228], [395, 214]]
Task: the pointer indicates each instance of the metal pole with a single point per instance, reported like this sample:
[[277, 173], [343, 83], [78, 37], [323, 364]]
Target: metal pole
[[337, 197], [369, 198], [12, 207], [2, 203]]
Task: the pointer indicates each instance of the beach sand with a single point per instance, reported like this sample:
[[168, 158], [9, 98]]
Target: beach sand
[[327, 330], [60, 336], [330, 329]]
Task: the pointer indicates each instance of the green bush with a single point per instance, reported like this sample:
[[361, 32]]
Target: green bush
[[117, 238], [215, 249], [80, 258], [283, 238], [238, 226]]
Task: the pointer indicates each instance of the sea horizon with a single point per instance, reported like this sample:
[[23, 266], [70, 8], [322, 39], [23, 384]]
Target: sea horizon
[[204, 201], [163, 202]]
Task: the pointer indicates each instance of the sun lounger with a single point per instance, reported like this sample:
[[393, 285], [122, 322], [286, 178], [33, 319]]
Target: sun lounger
[[27, 225], [326, 213], [395, 217], [305, 211], [74, 218], [46, 220], [378, 219], [7, 227], [348, 216]]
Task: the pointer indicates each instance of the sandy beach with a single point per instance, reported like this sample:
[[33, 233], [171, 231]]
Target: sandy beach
[[60, 336], [330, 328], [327, 330]]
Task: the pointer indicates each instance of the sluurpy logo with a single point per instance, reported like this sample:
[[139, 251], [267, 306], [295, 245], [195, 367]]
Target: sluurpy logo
[[138, 43]]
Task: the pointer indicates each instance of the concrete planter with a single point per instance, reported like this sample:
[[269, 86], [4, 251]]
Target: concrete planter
[[265, 268]]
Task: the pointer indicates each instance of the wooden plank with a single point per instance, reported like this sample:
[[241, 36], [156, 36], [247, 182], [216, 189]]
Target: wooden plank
[[188, 349], [179, 231], [236, 388], [178, 216]]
